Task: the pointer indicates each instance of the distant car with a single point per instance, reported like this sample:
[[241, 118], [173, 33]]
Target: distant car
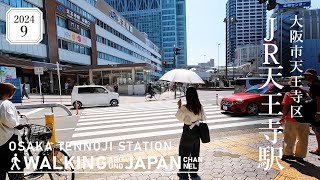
[[242, 84], [250, 101], [93, 95]]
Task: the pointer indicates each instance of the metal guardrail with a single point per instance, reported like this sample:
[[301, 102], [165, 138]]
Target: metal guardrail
[[47, 99], [45, 106]]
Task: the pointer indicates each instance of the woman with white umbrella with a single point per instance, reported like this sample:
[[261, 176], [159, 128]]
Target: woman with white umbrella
[[190, 114], [181, 76]]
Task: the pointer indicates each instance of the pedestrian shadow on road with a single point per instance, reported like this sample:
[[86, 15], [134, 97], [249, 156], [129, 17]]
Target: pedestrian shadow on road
[[306, 168]]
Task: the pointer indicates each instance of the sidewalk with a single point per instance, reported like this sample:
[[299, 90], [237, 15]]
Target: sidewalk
[[234, 157]]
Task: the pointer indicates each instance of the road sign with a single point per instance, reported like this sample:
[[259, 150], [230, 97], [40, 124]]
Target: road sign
[[293, 3], [24, 25], [38, 70]]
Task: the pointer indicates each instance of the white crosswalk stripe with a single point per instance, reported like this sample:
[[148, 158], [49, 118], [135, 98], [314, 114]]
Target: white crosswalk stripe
[[146, 120]]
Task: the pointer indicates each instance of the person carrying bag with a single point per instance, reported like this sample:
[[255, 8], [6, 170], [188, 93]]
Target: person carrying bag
[[190, 114]]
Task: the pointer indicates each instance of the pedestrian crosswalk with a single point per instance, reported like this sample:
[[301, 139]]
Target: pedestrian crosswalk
[[146, 120]]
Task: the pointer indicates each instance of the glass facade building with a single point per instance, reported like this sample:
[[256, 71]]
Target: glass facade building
[[163, 21], [310, 35], [250, 25]]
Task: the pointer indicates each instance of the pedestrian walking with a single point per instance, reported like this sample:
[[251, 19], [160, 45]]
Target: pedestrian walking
[[190, 114], [115, 87], [296, 134], [11, 160], [24, 91], [66, 87], [311, 76]]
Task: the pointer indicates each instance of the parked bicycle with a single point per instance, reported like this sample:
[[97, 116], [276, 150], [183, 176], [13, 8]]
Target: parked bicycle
[[35, 134]]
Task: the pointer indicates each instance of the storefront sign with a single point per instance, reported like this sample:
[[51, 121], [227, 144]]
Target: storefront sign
[[72, 36], [292, 1], [61, 9], [73, 26], [78, 18], [121, 21], [38, 70], [7, 73]]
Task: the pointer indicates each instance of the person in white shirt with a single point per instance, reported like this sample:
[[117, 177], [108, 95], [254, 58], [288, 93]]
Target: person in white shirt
[[189, 146], [9, 119]]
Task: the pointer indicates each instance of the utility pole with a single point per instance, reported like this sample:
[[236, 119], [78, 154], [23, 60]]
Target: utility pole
[[218, 57]]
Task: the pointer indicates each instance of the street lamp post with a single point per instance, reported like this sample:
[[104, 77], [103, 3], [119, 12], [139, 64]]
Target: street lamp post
[[228, 20], [204, 62], [233, 71], [218, 57]]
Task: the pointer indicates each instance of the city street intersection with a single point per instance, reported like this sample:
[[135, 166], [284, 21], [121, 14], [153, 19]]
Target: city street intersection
[[233, 152]]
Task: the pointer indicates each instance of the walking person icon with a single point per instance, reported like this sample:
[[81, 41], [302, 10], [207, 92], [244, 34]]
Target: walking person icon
[[15, 161]]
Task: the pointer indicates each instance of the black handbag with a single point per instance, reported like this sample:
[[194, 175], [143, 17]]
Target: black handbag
[[204, 131]]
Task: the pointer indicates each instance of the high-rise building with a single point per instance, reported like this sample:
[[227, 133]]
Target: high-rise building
[[310, 37], [91, 42], [163, 21], [246, 24]]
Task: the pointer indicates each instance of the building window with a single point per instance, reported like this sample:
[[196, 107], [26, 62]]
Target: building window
[[85, 32], [109, 57], [180, 9], [73, 47], [2, 27], [61, 22], [17, 3]]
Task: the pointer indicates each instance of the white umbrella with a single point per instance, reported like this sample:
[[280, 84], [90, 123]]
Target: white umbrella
[[182, 76]]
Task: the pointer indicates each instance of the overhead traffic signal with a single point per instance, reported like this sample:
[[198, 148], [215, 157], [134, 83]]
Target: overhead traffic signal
[[176, 51], [271, 4], [164, 62], [262, 1]]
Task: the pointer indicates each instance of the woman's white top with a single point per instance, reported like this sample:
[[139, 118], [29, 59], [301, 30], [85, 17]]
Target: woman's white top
[[189, 117], [9, 119]]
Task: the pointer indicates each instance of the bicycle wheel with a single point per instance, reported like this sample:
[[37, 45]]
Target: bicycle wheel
[[62, 172], [156, 96], [148, 97]]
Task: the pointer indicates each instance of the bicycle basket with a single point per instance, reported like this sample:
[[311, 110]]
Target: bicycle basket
[[39, 133]]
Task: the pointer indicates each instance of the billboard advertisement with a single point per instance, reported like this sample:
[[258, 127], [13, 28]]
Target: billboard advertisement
[[16, 98], [7, 73]]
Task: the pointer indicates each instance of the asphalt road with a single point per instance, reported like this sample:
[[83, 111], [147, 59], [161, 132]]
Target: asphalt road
[[141, 120]]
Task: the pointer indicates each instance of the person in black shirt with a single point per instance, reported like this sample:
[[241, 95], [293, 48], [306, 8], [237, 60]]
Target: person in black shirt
[[150, 90], [115, 87], [311, 76], [24, 91]]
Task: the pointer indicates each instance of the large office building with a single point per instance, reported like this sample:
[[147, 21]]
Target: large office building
[[91, 41], [310, 37], [246, 25], [163, 21]]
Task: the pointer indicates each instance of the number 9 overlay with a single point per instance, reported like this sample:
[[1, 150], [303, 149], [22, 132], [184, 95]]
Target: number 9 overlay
[[24, 26]]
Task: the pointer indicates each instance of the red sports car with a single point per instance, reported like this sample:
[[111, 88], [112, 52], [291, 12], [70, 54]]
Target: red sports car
[[251, 102]]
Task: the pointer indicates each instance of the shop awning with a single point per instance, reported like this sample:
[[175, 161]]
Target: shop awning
[[49, 66], [16, 62]]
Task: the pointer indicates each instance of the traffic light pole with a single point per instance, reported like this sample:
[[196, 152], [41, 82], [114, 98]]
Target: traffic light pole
[[174, 61], [226, 51], [175, 53], [174, 66]]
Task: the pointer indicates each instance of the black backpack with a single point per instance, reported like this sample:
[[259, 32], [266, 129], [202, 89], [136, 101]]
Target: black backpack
[[308, 109]]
